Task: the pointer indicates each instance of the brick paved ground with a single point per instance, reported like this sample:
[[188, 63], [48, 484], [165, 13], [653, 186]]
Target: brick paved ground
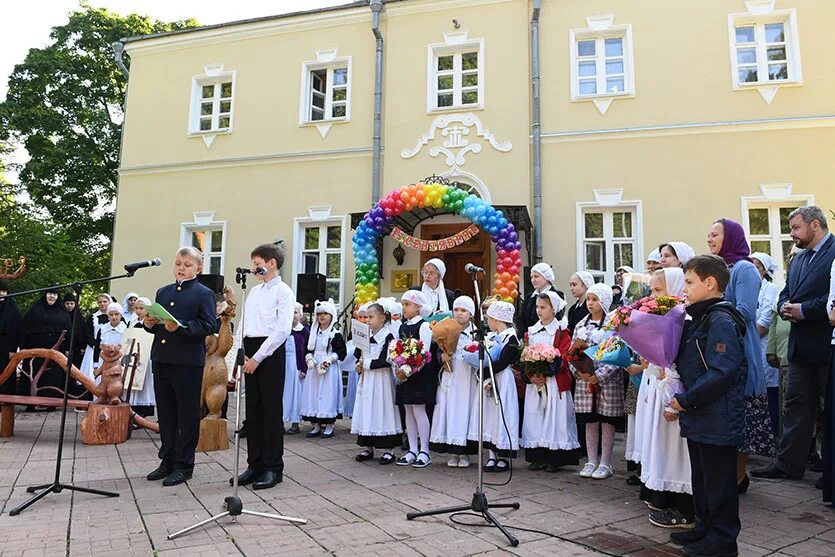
[[353, 509]]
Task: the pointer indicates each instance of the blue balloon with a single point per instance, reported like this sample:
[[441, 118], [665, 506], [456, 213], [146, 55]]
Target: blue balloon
[[480, 209], [502, 222]]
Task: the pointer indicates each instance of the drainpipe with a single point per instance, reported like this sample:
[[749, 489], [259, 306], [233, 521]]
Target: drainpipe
[[377, 143], [118, 50], [536, 130]]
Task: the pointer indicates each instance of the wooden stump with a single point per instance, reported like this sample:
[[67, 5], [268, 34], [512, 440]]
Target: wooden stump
[[7, 420], [106, 424], [213, 436]]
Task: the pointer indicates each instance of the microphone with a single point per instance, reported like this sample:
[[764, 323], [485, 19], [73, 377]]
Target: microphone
[[245, 271], [132, 267], [470, 268], [260, 271]]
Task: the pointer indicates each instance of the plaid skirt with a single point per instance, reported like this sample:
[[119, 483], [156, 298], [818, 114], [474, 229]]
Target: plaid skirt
[[606, 399]]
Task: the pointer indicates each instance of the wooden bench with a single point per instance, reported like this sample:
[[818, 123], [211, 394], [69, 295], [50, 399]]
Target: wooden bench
[[8, 402]]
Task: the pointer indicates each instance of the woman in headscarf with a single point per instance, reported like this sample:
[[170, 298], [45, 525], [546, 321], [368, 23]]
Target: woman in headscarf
[[10, 321], [82, 339], [675, 254], [542, 280], [727, 240], [617, 288], [128, 310], [438, 297], [42, 327], [578, 285], [765, 304], [653, 262]]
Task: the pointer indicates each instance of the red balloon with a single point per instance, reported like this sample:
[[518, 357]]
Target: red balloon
[[514, 254], [508, 262], [389, 212], [500, 268], [501, 253]]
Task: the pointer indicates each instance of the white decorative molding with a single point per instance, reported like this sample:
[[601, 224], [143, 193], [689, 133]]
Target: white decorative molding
[[759, 7], [452, 39], [600, 22], [203, 218], [467, 178], [326, 54], [456, 146], [323, 129], [322, 212], [603, 105], [608, 197], [767, 93], [773, 192], [213, 70]]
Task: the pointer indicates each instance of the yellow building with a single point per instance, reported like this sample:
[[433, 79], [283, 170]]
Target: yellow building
[[656, 119]]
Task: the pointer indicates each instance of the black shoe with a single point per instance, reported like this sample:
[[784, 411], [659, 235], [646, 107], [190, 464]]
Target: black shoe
[[815, 463], [772, 473], [687, 537], [705, 548], [162, 472], [819, 483], [742, 487], [535, 466], [177, 477], [671, 518], [247, 477], [267, 480], [242, 432], [633, 480], [292, 430], [551, 468], [364, 455]]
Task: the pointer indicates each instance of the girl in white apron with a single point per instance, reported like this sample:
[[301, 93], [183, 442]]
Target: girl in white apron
[[322, 393]]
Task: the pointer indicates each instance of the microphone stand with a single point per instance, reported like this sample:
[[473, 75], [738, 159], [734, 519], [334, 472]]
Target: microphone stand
[[233, 504], [479, 503], [57, 486]]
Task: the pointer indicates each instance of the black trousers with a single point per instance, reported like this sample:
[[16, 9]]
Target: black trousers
[[177, 392], [265, 410], [715, 494]]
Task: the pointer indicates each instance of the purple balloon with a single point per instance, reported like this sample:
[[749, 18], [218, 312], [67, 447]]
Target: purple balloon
[[513, 236], [502, 233]]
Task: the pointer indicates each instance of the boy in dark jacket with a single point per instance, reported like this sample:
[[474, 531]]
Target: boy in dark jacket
[[711, 362]]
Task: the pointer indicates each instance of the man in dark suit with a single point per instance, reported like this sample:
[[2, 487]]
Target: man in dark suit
[[803, 303]]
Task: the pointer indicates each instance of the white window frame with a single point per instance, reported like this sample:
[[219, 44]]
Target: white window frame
[[599, 35], [775, 197], [213, 76], [204, 222], [609, 202], [792, 43], [455, 46], [321, 217], [328, 64]]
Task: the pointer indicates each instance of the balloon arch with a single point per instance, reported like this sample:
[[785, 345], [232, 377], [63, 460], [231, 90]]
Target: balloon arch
[[436, 195]]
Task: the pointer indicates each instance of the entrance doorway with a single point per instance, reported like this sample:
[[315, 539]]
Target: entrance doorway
[[475, 251]]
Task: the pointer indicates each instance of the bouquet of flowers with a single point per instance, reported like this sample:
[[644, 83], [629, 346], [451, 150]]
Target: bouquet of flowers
[[578, 358], [652, 327], [541, 360], [611, 351], [408, 355]]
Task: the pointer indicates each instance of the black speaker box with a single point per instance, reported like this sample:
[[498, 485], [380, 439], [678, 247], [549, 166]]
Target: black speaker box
[[309, 288], [212, 282]]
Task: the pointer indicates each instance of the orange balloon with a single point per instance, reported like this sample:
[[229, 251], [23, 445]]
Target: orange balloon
[[404, 195], [515, 278], [504, 292], [505, 276], [409, 205]]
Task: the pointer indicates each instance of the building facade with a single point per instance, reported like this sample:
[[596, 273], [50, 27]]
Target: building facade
[[656, 119]]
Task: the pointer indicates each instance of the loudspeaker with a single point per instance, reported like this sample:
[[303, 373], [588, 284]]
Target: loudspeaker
[[309, 288], [212, 282]]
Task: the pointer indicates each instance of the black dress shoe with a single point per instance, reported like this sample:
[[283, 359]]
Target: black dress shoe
[[247, 477], [687, 537], [162, 472], [819, 483], [267, 480], [177, 477], [742, 487], [705, 548], [242, 432], [772, 473]]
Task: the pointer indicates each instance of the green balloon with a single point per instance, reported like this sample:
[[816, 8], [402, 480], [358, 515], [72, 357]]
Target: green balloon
[[445, 199]]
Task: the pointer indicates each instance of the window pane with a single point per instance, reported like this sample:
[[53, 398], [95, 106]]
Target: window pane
[[340, 76], [317, 114], [445, 62], [445, 99], [784, 219], [588, 87], [469, 80], [758, 222], [588, 69], [208, 91], [469, 97], [332, 262], [198, 239], [744, 34], [747, 75], [318, 100], [622, 224], [615, 85], [339, 111], [763, 246], [340, 94], [778, 71], [787, 248], [334, 237], [311, 263], [614, 47], [594, 225], [318, 80], [226, 106], [332, 291], [214, 265], [206, 109], [226, 89], [614, 67], [585, 48], [777, 53], [311, 238], [469, 61], [774, 33], [223, 122], [444, 82], [205, 124], [596, 256], [623, 255], [217, 240], [746, 55]]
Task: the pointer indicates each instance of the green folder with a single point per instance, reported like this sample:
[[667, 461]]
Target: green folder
[[159, 313], [439, 316]]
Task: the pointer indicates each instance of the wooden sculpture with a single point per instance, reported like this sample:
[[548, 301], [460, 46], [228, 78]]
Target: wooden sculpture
[[109, 390], [213, 430], [8, 271]]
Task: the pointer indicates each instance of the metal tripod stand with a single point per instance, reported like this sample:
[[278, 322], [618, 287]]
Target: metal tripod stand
[[233, 504], [479, 503]]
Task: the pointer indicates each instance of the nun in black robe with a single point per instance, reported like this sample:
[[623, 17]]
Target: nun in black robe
[[42, 327], [10, 322]]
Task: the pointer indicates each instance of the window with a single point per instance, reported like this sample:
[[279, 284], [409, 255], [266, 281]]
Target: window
[[456, 76], [209, 240], [608, 241], [322, 252], [768, 231], [601, 63], [326, 91], [764, 49], [212, 102]]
